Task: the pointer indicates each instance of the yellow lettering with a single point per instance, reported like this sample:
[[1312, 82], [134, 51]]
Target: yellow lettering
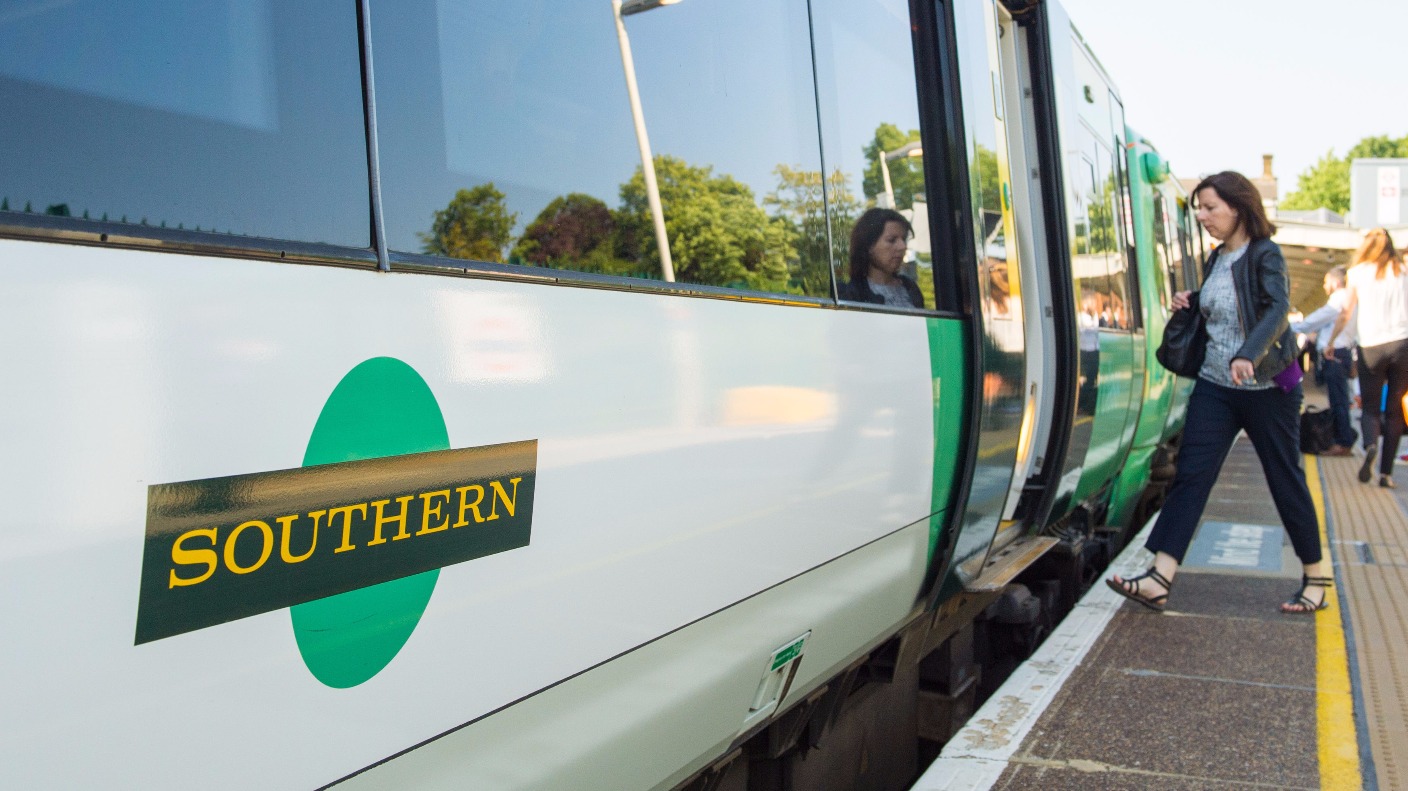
[[268, 533], [499, 493], [346, 512], [189, 557], [286, 523], [431, 508], [465, 505], [381, 519]]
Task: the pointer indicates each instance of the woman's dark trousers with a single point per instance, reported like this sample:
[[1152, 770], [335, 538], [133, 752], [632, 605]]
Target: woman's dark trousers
[[1335, 375], [1216, 414], [1385, 363]]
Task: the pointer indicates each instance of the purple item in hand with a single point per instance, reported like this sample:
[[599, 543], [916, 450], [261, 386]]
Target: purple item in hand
[[1289, 378]]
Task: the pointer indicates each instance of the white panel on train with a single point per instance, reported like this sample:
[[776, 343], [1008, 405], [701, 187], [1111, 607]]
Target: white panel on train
[[691, 453]]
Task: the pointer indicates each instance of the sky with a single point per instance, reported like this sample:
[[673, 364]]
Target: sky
[[1214, 84]]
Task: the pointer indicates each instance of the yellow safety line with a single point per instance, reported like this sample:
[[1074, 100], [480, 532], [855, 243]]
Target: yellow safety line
[[1334, 709]]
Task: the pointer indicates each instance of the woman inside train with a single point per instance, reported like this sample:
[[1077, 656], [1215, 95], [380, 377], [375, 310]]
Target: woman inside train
[[1378, 288], [1246, 383], [879, 242]]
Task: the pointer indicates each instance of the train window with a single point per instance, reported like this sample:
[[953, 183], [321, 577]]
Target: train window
[[1091, 275], [1164, 260], [1123, 262], [1192, 261], [233, 116], [508, 135], [984, 118], [870, 118]]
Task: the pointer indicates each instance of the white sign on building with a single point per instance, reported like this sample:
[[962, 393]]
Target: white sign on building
[[1376, 192], [1390, 200]]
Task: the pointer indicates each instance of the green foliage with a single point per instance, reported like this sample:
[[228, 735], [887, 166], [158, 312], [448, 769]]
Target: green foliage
[[1326, 183], [906, 175], [718, 235], [988, 181], [576, 232], [475, 225], [1379, 147], [800, 203], [1102, 219]]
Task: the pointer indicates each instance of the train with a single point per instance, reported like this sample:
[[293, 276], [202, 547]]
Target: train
[[465, 394]]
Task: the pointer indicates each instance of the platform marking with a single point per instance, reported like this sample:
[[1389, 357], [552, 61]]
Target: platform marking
[[1334, 709], [1228, 545], [975, 758]]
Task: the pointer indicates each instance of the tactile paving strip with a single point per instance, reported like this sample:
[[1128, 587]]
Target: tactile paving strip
[[1374, 588]]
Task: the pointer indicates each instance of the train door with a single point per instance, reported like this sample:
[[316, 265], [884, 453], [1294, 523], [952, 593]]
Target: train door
[[1024, 234], [1103, 284], [1004, 424]]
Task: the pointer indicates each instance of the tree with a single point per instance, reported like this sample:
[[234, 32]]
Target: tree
[[576, 232], [475, 225], [801, 202], [906, 174], [1379, 147], [1326, 183], [718, 234], [988, 181]]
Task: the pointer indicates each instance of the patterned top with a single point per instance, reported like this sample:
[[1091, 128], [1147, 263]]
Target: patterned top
[[1218, 301], [893, 294]]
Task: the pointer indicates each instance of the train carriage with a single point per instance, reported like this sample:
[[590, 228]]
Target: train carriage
[[469, 394]]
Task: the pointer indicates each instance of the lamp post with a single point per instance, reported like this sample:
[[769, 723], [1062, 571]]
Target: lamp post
[[652, 189], [910, 149]]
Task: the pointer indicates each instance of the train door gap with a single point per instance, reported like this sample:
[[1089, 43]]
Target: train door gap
[[1013, 79]]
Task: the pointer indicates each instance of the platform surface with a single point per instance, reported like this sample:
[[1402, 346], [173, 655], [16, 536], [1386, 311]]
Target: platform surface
[[1222, 691]]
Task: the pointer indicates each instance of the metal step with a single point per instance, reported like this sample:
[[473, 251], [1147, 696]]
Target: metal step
[[1005, 564]]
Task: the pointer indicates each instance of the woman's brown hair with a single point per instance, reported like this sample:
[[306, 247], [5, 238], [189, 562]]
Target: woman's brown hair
[[868, 229], [1238, 192], [1377, 249]]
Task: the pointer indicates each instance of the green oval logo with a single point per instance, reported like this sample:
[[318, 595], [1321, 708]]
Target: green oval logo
[[380, 408]]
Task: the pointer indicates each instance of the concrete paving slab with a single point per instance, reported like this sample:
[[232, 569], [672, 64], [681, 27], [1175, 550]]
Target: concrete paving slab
[[1056, 776], [1229, 649], [1196, 728], [1254, 598]]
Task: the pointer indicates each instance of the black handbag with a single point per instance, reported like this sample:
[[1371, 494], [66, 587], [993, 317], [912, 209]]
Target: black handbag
[[1185, 340], [1317, 430]]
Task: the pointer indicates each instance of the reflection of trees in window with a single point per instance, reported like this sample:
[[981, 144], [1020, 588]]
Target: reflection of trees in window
[[906, 174], [1102, 218], [475, 225], [718, 234], [799, 202], [577, 232], [988, 181]]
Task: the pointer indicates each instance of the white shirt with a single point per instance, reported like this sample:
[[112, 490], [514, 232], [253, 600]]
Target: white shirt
[[1322, 322], [1383, 305]]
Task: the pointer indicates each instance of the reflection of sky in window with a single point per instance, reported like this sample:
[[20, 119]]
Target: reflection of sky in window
[[211, 59], [974, 74], [535, 100], [867, 73]]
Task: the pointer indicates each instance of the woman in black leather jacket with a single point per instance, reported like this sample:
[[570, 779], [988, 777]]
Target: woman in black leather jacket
[[879, 242], [1247, 383]]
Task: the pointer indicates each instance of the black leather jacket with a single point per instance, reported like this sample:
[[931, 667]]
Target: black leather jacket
[[1263, 305], [859, 291]]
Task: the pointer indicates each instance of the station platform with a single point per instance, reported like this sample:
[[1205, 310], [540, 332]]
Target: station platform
[[1221, 691]]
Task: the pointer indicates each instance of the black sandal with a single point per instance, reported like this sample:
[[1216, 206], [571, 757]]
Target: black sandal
[[1129, 589], [1308, 607]]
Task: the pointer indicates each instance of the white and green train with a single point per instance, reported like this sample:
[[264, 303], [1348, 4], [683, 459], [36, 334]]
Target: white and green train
[[376, 417]]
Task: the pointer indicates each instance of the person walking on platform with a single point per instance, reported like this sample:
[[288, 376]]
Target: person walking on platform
[[1246, 383], [1378, 297], [1334, 366]]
